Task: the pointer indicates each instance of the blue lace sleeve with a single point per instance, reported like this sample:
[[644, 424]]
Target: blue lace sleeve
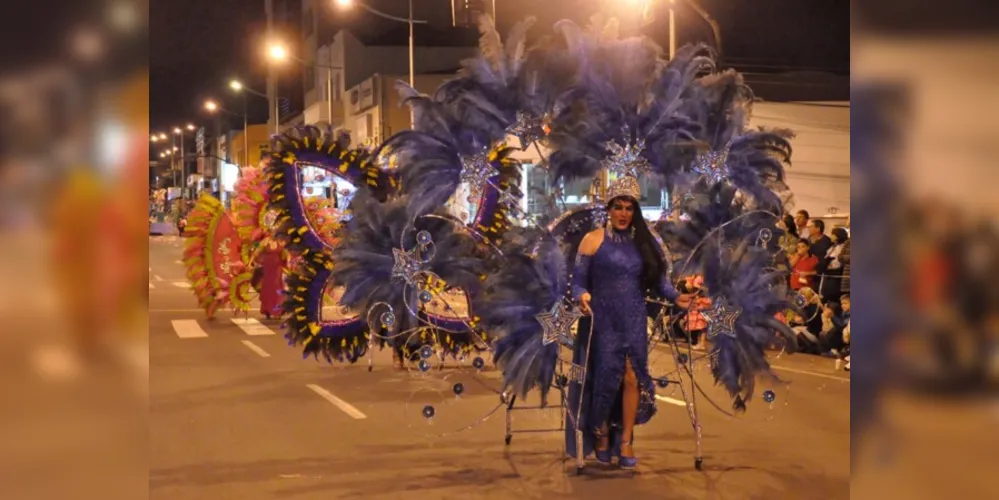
[[580, 275], [667, 291]]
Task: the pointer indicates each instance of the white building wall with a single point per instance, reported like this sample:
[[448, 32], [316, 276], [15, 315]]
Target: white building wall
[[819, 175]]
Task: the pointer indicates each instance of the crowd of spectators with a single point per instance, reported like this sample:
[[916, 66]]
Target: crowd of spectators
[[820, 273], [818, 269]]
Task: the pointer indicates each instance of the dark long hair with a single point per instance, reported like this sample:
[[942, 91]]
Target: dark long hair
[[792, 228], [653, 265]]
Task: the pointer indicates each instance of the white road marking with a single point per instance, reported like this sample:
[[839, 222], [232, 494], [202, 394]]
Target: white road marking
[[252, 327], [255, 348], [339, 403], [157, 277], [671, 401], [792, 370], [188, 329], [151, 286], [814, 374], [181, 284]]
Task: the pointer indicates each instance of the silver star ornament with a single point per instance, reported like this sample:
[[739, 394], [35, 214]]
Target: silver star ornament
[[721, 320], [557, 323]]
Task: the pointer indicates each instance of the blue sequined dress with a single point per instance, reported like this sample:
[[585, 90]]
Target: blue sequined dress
[[613, 277]]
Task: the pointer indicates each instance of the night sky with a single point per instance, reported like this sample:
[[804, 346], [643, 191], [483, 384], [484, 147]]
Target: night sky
[[196, 46]]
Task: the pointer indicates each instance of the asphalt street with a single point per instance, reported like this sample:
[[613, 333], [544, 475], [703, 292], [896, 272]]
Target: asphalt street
[[236, 413]]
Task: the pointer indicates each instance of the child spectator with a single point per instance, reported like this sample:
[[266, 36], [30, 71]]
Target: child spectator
[[803, 267]]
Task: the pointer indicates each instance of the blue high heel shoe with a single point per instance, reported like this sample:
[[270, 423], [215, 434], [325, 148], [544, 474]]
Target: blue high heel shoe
[[603, 456], [627, 463]]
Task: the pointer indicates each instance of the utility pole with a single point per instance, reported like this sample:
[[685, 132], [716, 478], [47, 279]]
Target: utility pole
[[272, 104], [412, 78], [183, 170]]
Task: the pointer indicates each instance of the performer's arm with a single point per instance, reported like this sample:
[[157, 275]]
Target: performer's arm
[[682, 300], [580, 275], [667, 291], [581, 270]]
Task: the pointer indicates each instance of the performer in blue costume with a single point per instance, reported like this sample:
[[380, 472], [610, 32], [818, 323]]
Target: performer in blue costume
[[615, 268]]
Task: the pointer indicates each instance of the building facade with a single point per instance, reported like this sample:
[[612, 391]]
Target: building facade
[[342, 48], [258, 142], [372, 110]]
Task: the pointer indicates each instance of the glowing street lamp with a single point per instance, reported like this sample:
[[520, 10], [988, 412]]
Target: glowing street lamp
[[278, 53], [236, 85], [345, 3], [176, 131], [163, 136], [154, 138], [211, 106], [190, 127]]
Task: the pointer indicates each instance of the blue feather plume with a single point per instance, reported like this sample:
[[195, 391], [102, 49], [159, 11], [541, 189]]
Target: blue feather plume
[[519, 287], [743, 278], [756, 158], [715, 215], [363, 259], [625, 92]]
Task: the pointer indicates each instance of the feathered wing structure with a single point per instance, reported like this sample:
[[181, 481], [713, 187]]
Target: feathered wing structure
[[667, 120], [427, 165], [625, 94], [255, 220], [740, 281], [308, 146], [249, 205], [509, 86], [215, 258], [524, 284], [309, 227], [367, 264], [714, 215], [752, 160]]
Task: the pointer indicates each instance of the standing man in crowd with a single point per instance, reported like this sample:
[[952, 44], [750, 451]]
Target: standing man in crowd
[[819, 241], [801, 221]]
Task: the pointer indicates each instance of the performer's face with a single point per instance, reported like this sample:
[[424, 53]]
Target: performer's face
[[622, 211]]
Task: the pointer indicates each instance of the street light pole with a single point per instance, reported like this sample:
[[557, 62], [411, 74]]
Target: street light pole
[[246, 133], [412, 76], [183, 170], [272, 107], [672, 31], [411, 22], [329, 85], [173, 159]]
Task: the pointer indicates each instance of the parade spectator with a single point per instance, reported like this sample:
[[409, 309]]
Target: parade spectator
[[819, 241], [695, 323], [788, 241], [831, 283], [831, 339], [807, 322], [801, 223], [844, 259], [804, 266], [844, 322]]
